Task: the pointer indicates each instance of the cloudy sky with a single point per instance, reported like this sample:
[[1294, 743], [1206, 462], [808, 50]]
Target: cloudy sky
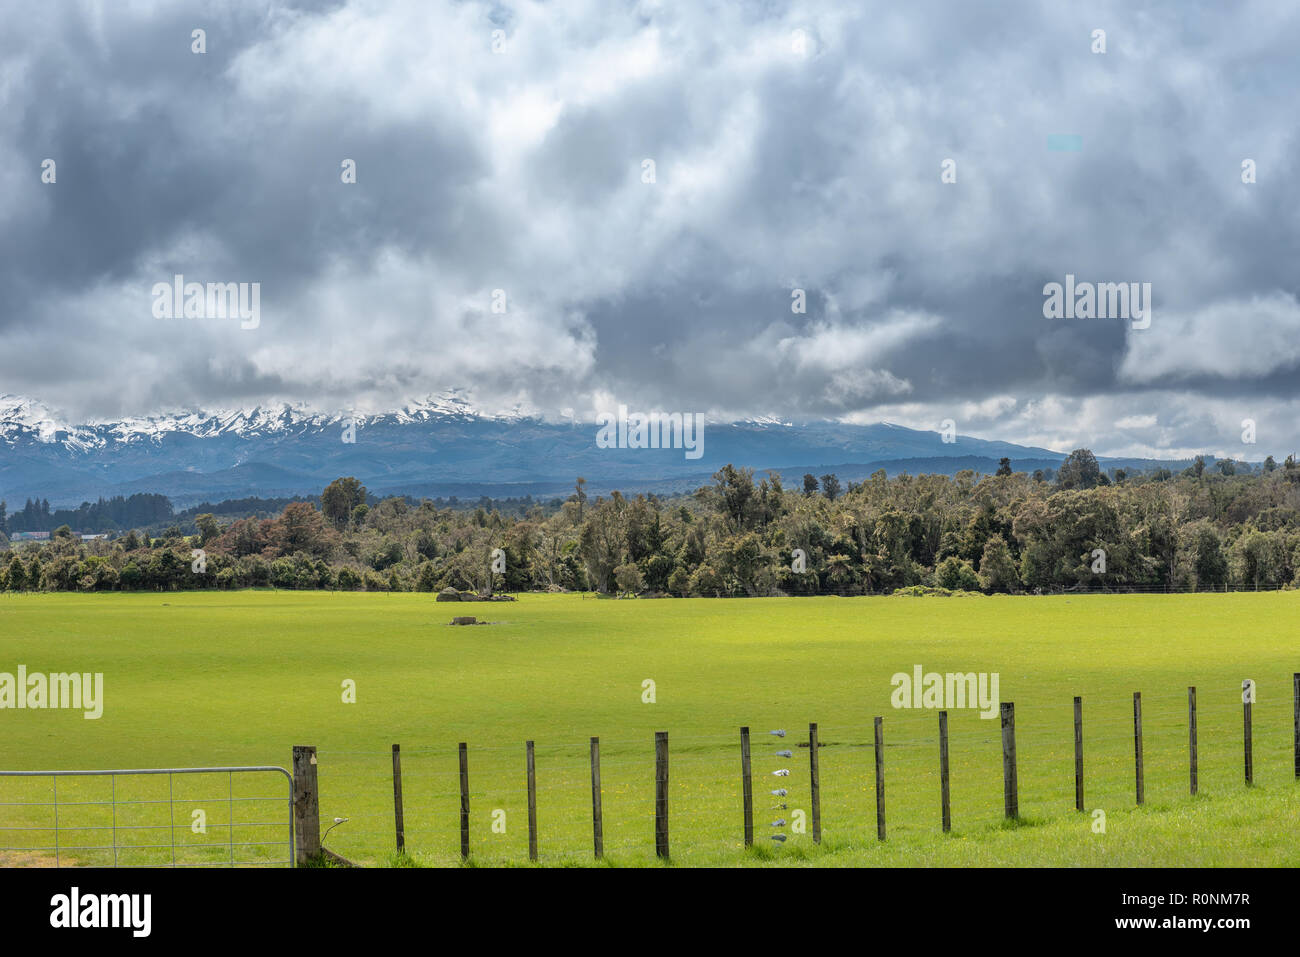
[[794, 147]]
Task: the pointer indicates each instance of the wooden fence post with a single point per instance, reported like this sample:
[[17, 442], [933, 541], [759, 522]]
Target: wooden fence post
[[880, 779], [397, 799], [1296, 692], [747, 786], [1010, 786], [597, 822], [816, 784], [945, 807], [1246, 739], [1191, 732], [464, 801], [306, 805], [1078, 753], [1137, 742], [531, 768], [661, 794]]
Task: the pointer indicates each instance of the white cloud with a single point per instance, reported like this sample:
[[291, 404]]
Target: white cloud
[[1228, 340]]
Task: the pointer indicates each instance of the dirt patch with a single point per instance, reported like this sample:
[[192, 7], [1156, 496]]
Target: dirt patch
[[33, 859]]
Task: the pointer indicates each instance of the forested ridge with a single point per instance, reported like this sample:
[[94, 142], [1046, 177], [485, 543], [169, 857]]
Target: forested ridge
[[742, 535]]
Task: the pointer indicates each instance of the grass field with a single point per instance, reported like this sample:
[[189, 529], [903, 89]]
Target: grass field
[[203, 679]]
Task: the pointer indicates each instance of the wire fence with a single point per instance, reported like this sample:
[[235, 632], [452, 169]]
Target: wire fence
[[233, 816], [153, 817], [705, 787]]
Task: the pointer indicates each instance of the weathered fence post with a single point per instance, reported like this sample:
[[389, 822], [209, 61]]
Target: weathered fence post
[[880, 779], [1191, 732], [815, 784], [945, 807], [661, 794], [306, 804], [1010, 786], [397, 799], [464, 801], [1296, 692], [747, 786], [531, 768], [1247, 692], [1137, 742], [1078, 753], [597, 823]]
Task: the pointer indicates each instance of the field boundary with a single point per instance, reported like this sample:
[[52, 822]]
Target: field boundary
[[307, 808]]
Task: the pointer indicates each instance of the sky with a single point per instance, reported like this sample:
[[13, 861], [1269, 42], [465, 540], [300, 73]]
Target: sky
[[574, 205]]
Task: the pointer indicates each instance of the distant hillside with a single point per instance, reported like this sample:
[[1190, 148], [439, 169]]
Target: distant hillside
[[438, 447]]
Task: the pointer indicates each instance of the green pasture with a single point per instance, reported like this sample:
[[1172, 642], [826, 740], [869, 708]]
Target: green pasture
[[216, 679]]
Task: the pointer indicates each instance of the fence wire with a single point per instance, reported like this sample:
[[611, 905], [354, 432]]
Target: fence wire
[[705, 791]]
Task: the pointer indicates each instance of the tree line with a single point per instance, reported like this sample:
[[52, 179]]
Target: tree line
[[742, 535], [105, 515]]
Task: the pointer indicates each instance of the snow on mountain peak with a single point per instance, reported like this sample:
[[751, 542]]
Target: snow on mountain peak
[[21, 415]]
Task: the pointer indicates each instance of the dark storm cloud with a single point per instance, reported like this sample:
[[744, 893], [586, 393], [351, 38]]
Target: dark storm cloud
[[793, 148]]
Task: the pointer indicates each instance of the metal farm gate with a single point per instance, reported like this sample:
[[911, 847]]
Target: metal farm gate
[[119, 818]]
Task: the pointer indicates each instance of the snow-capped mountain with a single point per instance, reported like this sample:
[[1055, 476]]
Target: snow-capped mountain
[[439, 445], [24, 417]]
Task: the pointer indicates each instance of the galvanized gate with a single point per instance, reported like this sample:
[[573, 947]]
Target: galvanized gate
[[129, 803]]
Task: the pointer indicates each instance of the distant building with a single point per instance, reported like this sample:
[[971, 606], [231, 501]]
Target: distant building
[[29, 536], [101, 537]]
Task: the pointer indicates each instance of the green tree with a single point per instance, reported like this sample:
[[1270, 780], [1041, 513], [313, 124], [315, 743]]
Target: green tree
[[705, 582], [628, 578], [997, 567], [339, 499], [1079, 470], [208, 528], [580, 495], [428, 580], [679, 582], [602, 542], [1262, 560], [742, 562], [956, 574], [16, 579], [735, 488], [1211, 566]]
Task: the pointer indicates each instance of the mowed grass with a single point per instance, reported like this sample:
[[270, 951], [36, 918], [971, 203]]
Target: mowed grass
[[204, 679]]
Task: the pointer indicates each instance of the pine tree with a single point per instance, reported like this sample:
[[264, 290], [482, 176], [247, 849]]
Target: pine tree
[[17, 577]]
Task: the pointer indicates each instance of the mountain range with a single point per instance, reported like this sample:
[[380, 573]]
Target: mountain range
[[441, 446]]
